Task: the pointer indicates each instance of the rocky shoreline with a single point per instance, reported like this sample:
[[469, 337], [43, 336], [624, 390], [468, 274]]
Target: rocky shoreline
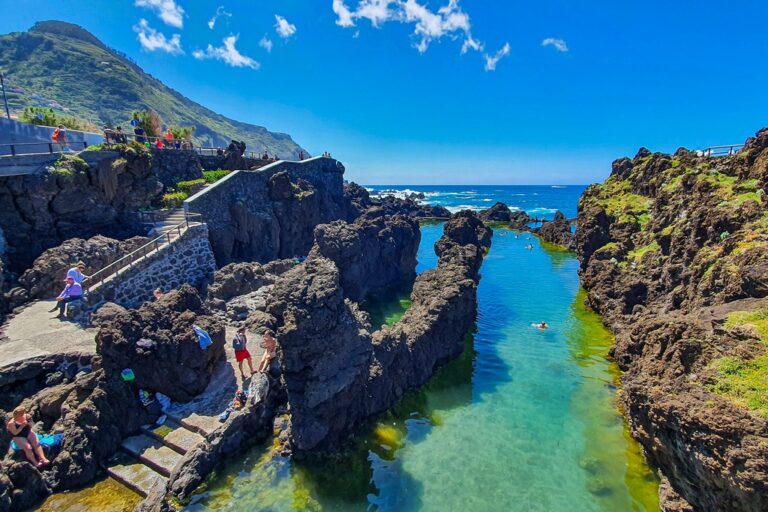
[[673, 256]]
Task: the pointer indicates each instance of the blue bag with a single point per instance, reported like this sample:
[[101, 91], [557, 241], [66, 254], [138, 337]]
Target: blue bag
[[203, 337]]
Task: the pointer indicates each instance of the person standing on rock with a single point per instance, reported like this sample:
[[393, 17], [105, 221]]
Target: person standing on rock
[[241, 351], [72, 292], [270, 346], [20, 427]]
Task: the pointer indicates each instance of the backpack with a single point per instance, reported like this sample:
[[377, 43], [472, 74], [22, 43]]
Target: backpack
[[56, 134], [238, 342]]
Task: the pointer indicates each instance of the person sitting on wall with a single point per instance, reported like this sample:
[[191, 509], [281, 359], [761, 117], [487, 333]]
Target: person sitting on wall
[[270, 346], [72, 292], [159, 143], [241, 351], [20, 427], [158, 293]]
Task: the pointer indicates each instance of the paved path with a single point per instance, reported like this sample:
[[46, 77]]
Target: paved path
[[35, 332]]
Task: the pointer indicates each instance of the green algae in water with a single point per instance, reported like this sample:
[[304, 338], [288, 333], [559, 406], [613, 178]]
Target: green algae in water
[[389, 306], [107, 495]]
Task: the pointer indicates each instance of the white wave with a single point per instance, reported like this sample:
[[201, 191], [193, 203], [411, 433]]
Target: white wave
[[454, 209], [487, 200], [542, 210], [559, 186]]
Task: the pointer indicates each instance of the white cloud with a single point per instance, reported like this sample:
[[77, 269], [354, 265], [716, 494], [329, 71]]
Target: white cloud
[[429, 25], [559, 44], [220, 12], [152, 40], [344, 14], [266, 43], [168, 11], [227, 54], [492, 60], [283, 28]]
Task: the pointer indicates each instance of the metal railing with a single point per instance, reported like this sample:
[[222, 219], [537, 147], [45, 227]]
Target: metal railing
[[154, 245], [36, 148], [727, 150], [113, 137]]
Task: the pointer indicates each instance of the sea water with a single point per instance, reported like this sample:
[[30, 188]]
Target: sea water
[[523, 420]]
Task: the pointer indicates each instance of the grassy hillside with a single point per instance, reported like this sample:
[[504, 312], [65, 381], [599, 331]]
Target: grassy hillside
[[60, 65]]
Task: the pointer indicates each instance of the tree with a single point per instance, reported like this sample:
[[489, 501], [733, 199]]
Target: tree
[[150, 122]]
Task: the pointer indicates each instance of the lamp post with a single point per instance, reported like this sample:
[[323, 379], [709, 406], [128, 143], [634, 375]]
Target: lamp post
[[5, 98]]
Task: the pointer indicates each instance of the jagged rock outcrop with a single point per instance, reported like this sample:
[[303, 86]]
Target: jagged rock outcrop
[[360, 200], [674, 252], [44, 279], [76, 198], [500, 212], [158, 343], [557, 231], [94, 413], [234, 156], [336, 373], [374, 252]]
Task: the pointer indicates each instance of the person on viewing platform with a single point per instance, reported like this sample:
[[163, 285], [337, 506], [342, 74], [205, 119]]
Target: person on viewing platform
[[20, 427], [138, 131], [219, 152], [270, 346], [239, 343], [265, 156], [119, 136], [169, 138], [301, 155], [158, 143], [59, 136], [108, 135], [72, 292]]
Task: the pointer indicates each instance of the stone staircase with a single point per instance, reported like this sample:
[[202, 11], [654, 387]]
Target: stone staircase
[[167, 221], [152, 455]]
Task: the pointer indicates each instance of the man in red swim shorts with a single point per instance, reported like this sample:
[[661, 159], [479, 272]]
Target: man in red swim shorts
[[241, 352]]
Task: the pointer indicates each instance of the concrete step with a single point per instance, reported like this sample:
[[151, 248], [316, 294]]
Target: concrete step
[[203, 425], [133, 474], [152, 453], [174, 435]]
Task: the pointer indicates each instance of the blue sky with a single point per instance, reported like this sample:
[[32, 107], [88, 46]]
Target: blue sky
[[387, 88]]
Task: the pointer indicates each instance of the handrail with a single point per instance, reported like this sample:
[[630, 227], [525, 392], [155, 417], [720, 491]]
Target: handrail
[[112, 137], [142, 251], [14, 147], [725, 150]]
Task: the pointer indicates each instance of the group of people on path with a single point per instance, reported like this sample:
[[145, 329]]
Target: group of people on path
[[167, 141]]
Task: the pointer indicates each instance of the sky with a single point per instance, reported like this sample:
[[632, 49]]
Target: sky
[[452, 91]]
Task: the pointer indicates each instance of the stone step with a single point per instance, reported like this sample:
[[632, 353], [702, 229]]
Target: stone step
[[152, 453], [174, 435], [203, 425], [133, 474]]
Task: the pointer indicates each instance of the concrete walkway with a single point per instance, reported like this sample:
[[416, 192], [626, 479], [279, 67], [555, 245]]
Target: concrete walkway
[[35, 332]]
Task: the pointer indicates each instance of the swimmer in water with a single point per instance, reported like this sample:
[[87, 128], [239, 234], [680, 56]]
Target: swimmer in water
[[543, 325]]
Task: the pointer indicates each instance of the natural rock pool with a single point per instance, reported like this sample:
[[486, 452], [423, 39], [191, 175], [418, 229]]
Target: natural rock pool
[[523, 420]]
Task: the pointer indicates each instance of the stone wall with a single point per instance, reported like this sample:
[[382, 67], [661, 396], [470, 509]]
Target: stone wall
[[189, 259], [171, 165], [214, 162], [272, 212]]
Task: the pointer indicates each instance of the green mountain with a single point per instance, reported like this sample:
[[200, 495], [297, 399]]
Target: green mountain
[[63, 66]]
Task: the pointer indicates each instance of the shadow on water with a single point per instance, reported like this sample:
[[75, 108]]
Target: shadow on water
[[388, 306]]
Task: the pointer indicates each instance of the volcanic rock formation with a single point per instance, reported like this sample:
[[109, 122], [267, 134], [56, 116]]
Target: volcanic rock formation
[[674, 255]]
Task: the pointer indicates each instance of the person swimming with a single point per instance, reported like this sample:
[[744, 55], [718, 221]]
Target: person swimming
[[541, 325]]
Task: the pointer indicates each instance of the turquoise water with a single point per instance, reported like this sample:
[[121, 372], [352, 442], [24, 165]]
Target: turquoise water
[[524, 420]]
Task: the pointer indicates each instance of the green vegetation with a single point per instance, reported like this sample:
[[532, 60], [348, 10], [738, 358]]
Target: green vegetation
[[59, 66], [188, 187], [638, 253], [174, 199], [757, 320], [743, 382], [214, 176], [622, 204], [48, 117]]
